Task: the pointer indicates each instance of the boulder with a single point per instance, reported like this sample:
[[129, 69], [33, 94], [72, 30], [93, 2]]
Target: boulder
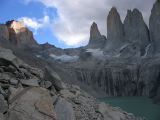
[[54, 78], [33, 103], [46, 84], [30, 82], [64, 110]]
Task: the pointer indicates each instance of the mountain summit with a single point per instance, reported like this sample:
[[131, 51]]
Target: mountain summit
[[19, 34]]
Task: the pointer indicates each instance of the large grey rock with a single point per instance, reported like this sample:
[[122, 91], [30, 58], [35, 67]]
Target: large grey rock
[[32, 103], [3, 104], [46, 84], [30, 82], [64, 110], [96, 39], [136, 31], [54, 78], [115, 30], [154, 26]]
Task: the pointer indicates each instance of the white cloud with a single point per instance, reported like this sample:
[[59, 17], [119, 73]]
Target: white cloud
[[34, 23], [76, 16]]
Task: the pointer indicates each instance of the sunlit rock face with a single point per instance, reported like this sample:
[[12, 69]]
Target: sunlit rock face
[[154, 26], [96, 39], [115, 30], [19, 33]]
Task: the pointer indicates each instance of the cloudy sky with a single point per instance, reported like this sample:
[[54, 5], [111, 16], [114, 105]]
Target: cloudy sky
[[66, 23]]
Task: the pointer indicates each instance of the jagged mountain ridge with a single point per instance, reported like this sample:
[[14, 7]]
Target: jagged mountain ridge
[[126, 63]]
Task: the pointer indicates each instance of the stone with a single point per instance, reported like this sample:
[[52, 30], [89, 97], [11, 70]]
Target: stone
[[13, 81], [64, 110], [54, 99], [154, 26], [67, 94], [3, 104], [30, 82], [14, 93], [44, 106], [32, 103], [53, 77], [7, 58], [96, 39], [136, 31], [46, 84]]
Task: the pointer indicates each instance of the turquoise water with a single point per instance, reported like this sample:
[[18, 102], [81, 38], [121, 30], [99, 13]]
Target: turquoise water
[[140, 106]]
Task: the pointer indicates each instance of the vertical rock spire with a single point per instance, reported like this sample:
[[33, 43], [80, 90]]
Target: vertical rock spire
[[94, 31], [154, 26], [136, 31], [96, 39], [115, 31]]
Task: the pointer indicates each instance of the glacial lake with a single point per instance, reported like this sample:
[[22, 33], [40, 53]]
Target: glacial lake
[[139, 106]]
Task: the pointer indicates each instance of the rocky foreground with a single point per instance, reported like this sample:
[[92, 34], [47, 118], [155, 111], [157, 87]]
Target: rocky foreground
[[36, 81], [28, 93]]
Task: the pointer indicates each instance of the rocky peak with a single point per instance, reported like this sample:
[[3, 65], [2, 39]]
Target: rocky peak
[[17, 26], [115, 29], [47, 46], [154, 26], [96, 39], [136, 31], [94, 31], [19, 33], [134, 14]]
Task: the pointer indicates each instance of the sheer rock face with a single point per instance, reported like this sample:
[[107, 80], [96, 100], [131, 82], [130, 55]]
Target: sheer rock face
[[96, 39], [115, 30], [20, 34], [154, 26], [136, 31]]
